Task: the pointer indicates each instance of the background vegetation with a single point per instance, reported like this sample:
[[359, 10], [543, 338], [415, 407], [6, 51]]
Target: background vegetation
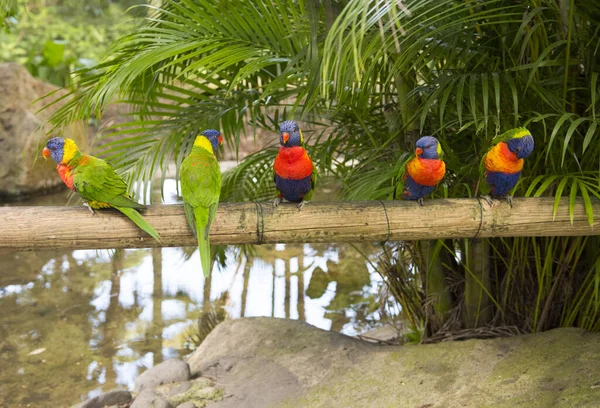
[[367, 78], [53, 38]]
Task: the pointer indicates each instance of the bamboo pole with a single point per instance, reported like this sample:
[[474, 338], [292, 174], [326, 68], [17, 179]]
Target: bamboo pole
[[33, 228]]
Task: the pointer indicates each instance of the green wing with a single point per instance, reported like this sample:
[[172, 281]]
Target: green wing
[[200, 179], [313, 183], [96, 180], [200, 189]]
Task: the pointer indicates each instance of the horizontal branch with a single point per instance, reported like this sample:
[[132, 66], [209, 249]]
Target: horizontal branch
[[32, 228]]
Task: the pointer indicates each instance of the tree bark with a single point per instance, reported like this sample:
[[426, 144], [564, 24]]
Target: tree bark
[[33, 228]]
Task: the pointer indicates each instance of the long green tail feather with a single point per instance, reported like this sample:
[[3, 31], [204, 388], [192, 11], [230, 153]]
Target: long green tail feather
[[138, 220], [202, 228]]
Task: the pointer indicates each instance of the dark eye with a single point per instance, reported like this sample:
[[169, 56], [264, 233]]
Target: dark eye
[[428, 147]]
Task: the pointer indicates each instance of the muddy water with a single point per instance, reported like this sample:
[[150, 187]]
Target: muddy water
[[77, 323]]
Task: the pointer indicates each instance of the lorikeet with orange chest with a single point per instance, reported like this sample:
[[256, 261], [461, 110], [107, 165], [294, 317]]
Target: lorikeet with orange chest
[[95, 181], [503, 163], [425, 170], [295, 175]]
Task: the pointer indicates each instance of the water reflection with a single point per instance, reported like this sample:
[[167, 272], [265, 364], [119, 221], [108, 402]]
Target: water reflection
[[76, 323]]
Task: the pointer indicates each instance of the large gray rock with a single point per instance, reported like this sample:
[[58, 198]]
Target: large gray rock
[[187, 405], [107, 399], [149, 399], [23, 133], [169, 371], [275, 362]]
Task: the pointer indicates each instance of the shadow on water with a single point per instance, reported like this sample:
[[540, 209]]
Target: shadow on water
[[77, 323]]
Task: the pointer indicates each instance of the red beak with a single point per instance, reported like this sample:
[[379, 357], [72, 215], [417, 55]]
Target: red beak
[[419, 151], [285, 136], [220, 139], [46, 152]]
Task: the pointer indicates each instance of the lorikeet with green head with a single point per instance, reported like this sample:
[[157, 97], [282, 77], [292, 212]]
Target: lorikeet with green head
[[295, 175], [425, 170], [95, 181], [200, 189], [503, 163]]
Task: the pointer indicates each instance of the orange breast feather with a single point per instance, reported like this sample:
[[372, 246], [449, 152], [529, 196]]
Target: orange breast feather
[[293, 163], [500, 159], [64, 172], [427, 172]]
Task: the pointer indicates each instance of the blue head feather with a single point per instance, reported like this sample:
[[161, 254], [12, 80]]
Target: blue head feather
[[215, 138], [56, 146], [293, 130], [430, 146], [522, 147]]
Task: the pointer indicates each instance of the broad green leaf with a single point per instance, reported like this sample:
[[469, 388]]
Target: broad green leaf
[[572, 198]]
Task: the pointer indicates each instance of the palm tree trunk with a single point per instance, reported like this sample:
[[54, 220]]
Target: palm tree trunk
[[477, 302], [247, 267], [206, 291], [286, 299], [300, 302], [157, 322], [273, 291], [436, 287]]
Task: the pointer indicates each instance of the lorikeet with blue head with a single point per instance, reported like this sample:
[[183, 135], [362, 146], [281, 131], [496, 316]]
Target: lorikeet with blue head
[[200, 189], [95, 181], [504, 161], [425, 170], [295, 174]]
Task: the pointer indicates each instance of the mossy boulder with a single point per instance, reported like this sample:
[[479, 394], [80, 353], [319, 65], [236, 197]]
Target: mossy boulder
[[285, 363]]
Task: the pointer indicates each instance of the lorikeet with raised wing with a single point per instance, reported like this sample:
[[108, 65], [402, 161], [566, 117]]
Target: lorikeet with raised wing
[[425, 170], [200, 189], [503, 163], [295, 175], [95, 181]]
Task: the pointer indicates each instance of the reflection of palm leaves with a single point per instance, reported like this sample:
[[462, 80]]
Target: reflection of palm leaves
[[208, 320]]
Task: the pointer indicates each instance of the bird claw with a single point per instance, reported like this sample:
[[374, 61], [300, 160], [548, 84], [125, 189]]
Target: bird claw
[[85, 204], [509, 198], [420, 201], [302, 204], [277, 201], [488, 200]]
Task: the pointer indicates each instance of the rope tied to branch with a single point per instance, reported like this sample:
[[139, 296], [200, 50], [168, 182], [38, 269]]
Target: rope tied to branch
[[480, 218], [387, 238], [260, 222]]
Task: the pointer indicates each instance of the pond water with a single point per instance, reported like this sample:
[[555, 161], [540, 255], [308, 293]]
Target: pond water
[[77, 323]]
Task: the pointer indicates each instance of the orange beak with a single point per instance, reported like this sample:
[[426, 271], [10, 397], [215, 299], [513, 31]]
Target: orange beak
[[220, 139], [419, 151], [46, 152], [285, 136]]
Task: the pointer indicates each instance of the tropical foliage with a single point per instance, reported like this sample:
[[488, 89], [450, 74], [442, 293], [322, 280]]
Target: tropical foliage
[[367, 78], [54, 38]]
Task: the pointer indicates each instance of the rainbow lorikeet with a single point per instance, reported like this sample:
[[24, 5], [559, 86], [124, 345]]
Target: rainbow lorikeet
[[200, 189], [425, 170], [295, 175], [95, 181], [503, 163]]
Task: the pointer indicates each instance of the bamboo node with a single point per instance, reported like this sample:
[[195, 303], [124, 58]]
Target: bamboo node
[[480, 218], [260, 222], [387, 238]]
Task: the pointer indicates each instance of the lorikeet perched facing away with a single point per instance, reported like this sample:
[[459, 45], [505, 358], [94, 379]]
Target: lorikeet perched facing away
[[295, 175], [200, 189], [424, 171], [504, 162], [95, 181]]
